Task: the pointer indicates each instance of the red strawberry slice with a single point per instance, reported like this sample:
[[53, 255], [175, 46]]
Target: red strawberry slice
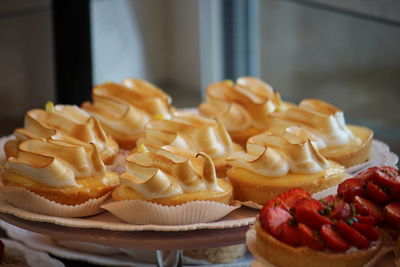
[[287, 199], [350, 188], [332, 239], [366, 230], [387, 176], [307, 211], [376, 194], [366, 207], [341, 210], [367, 174], [289, 234], [365, 219], [276, 202], [392, 214], [308, 238], [351, 235], [272, 218]]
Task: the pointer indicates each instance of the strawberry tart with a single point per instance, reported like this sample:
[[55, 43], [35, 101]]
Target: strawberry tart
[[346, 229]]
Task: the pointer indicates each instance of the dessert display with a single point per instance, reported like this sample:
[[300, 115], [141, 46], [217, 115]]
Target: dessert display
[[347, 229], [274, 164], [185, 169], [171, 176], [242, 107], [64, 123], [325, 125], [191, 132], [59, 171], [124, 109]]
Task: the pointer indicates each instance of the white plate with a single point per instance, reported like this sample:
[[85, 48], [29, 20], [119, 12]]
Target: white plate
[[107, 221]]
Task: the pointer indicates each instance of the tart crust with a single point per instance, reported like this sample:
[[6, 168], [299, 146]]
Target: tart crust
[[90, 188], [350, 155], [284, 255], [249, 186]]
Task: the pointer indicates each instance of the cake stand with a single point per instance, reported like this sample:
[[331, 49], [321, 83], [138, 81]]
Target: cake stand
[[174, 242]]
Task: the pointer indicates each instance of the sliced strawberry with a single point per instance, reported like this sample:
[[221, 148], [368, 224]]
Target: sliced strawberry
[[341, 210], [307, 211], [366, 207], [272, 218], [387, 176], [376, 194], [365, 219], [351, 235], [367, 174], [332, 239], [288, 198], [366, 230], [392, 214], [350, 188], [289, 234], [276, 202], [308, 238]]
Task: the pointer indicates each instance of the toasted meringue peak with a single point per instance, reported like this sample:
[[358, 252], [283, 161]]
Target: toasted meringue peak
[[325, 123], [169, 171], [55, 163], [124, 109], [64, 122], [241, 105], [273, 156], [189, 131]]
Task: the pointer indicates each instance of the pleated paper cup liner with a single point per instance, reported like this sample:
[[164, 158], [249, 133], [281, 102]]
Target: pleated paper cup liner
[[27, 200], [143, 212], [384, 257]]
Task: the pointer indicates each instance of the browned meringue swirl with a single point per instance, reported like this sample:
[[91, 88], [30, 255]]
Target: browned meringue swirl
[[168, 171]]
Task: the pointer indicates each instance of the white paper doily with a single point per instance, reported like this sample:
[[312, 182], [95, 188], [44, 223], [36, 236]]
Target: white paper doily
[[121, 258], [385, 260], [379, 155], [106, 221]]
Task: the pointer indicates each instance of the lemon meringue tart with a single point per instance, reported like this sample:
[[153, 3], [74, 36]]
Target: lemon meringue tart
[[64, 122], [62, 172], [124, 109], [193, 133], [171, 176], [321, 122], [242, 107], [273, 164]]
